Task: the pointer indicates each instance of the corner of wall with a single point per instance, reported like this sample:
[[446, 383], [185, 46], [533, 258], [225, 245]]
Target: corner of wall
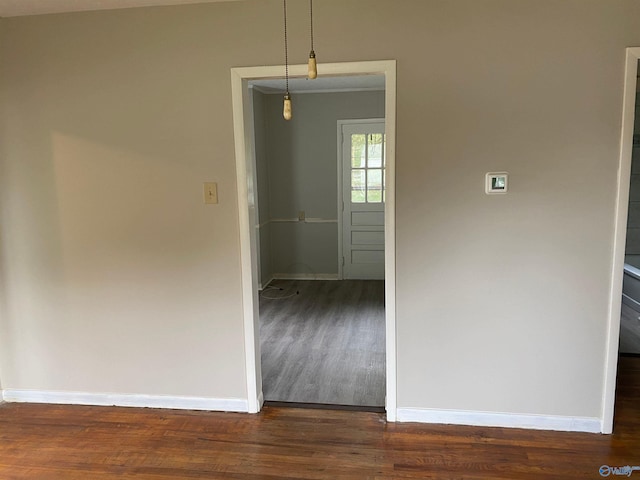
[[261, 141], [2, 201]]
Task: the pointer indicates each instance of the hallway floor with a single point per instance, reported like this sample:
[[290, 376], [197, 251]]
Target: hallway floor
[[324, 344]]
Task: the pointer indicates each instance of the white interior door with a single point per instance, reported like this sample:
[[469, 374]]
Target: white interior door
[[363, 197]]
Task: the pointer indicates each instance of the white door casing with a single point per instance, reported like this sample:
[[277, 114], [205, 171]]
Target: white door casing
[[240, 77], [619, 240], [361, 177]]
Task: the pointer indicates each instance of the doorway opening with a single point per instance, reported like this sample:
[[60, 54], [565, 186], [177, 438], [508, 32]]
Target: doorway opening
[[361, 198], [625, 215], [250, 222], [630, 313]]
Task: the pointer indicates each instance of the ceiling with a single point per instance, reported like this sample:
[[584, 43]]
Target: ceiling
[[322, 84], [17, 8]]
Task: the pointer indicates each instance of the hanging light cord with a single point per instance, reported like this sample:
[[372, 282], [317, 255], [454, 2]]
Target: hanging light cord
[[313, 64], [311, 21], [286, 106], [286, 52]]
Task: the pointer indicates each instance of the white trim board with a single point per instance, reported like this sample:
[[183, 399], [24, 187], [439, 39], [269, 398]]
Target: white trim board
[[297, 220], [306, 220], [267, 91], [126, 400], [504, 420], [242, 127], [305, 276], [619, 239], [262, 286]]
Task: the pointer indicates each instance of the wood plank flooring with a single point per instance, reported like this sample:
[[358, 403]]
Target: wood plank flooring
[[324, 344], [47, 442]]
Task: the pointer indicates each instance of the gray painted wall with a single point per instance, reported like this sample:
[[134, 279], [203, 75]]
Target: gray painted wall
[[632, 246], [262, 175], [303, 176]]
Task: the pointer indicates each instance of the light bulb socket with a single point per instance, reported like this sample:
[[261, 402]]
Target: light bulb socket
[[286, 109], [313, 67]]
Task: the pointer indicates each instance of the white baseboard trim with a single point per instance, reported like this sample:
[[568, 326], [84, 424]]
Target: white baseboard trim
[[508, 420], [305, 276], [262, 286], [127, 400]]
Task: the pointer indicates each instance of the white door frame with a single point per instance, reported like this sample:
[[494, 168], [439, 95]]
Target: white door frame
[[340, 156], [619, 240], [245, 174]]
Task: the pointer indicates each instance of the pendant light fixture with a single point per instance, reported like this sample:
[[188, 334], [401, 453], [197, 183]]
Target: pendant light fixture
[[313, 68], [286, 110]]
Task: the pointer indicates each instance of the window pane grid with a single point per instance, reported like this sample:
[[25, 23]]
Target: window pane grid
[[358, 151], [368, 161]]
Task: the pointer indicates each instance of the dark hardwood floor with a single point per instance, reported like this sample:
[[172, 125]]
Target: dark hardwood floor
[[323, 341], [74, 442]]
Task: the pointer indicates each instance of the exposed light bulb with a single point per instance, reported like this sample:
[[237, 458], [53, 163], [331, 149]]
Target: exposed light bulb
[[286, 111], [313, 67]]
